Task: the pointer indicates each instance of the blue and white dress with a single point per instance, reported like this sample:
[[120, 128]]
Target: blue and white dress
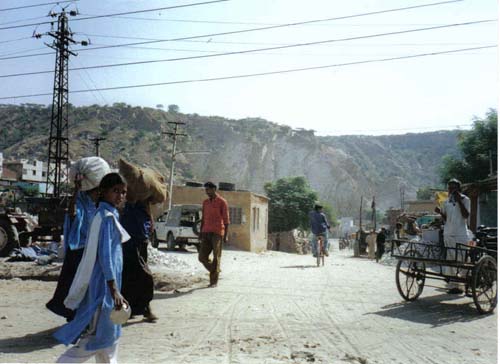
[[89, 293]]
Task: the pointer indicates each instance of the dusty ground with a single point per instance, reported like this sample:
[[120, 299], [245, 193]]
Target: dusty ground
[[273, 308]]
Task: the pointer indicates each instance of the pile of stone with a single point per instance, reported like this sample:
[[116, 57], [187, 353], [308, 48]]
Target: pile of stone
[[289, 241]]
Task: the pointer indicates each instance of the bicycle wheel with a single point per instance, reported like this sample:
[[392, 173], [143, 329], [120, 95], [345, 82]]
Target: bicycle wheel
[[484, 284], [410, 279]]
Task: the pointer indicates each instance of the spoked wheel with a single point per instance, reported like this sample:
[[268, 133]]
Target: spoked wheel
[[484, 284], [410, 278]]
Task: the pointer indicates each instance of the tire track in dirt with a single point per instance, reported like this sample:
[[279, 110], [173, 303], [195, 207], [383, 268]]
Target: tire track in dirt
[[216, 324]]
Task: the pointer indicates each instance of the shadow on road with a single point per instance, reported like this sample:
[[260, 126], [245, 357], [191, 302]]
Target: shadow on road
[[177, 251], [177, 293], [300, 266], [434, 310], [29, 343]]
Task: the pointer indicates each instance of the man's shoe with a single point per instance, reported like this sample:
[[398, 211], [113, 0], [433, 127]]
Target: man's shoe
[[455, 291]]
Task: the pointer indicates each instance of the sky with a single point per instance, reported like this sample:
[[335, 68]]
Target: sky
[[349, 96]]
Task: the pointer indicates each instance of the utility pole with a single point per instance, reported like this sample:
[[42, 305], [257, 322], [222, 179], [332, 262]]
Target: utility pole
[[374, 214], [58, 156], [96, 142], [360, 215], [402, 196], [173, 134]]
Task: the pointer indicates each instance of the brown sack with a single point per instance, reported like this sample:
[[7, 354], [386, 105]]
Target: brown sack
[[143, 184]]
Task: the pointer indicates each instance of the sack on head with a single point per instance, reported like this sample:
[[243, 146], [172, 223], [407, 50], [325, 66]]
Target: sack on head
[[90, 171], [143, 184]]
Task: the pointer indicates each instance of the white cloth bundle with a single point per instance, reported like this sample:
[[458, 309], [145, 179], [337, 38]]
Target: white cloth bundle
[[91, 170]]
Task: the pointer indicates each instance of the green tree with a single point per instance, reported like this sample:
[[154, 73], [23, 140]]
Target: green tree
[[424, 193], [174, 109], [330, 213], [476, 147], [290, 200]]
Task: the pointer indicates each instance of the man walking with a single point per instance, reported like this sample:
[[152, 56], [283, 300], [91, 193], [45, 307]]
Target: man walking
[[214, 227], [380, 244], [455, 212], [319, 226]]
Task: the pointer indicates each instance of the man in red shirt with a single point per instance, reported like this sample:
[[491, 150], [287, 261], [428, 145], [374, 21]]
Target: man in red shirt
[[214, 225]]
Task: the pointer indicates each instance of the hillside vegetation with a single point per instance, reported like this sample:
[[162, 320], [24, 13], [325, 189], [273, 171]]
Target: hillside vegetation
[[248, 152]]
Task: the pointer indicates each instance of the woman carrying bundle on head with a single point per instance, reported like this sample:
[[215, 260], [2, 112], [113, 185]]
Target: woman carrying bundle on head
[[95, 291], [87, 174]]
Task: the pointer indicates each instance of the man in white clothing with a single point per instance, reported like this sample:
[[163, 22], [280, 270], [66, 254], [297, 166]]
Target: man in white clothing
[[455, 212]]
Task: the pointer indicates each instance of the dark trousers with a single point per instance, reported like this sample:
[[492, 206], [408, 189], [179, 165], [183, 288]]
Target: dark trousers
[[137, 279], [210, 243], [72, 259], [380, 250]]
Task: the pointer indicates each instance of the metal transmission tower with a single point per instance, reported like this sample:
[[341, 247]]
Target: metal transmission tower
[[57, 164]]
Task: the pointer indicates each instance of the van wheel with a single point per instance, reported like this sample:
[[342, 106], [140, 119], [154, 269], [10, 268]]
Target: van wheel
[[8, 238], [170, 241], [155, 242]]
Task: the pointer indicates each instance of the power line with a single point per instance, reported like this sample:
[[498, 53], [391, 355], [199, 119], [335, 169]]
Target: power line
[[225, 33], [124, 13], [260, 43], [25, 19], [14, 40], [246, 51], [309, 43], [336, 18], [36, 5], [258, 74], [221, 22]]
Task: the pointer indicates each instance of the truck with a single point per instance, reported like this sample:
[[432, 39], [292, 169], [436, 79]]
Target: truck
[[180, 226], [19, 228]]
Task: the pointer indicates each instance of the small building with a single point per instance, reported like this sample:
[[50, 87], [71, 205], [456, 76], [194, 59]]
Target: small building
[[416, 207], [248, 214], [484, 202]]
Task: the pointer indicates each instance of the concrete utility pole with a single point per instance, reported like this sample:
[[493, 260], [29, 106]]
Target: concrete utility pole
[[96, 142], [402, 196], [174, 135], [374, 214], [58, 156]]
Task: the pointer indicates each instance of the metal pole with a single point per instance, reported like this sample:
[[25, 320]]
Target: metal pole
[[175, 134]]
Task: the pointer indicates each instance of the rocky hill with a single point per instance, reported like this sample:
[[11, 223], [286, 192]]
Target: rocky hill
[[247, 152]]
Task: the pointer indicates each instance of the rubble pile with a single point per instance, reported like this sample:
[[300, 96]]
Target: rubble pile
[[289, 242], [160, 260], [171, 272]]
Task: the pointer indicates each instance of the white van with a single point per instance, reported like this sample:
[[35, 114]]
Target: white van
[[178, 227]]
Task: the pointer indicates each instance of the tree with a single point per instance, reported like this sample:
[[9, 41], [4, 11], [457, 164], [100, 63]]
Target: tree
[[173, 108], [478, 148], [331, 216], [290, 200], [424, 193]]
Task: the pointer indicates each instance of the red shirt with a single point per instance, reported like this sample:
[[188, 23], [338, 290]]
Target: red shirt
[[215, 215]]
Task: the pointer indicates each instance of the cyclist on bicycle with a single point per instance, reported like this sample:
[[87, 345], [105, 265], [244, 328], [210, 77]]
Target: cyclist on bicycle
[[319, 227]]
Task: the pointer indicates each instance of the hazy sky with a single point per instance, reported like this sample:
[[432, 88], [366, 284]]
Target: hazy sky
[[392, 97]]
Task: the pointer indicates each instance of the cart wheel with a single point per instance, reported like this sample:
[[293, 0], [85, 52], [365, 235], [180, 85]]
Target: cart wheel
[[484, 284], [410, 278]]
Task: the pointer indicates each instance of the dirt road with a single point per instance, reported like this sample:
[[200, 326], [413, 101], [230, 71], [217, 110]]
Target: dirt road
[[274, 308]]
